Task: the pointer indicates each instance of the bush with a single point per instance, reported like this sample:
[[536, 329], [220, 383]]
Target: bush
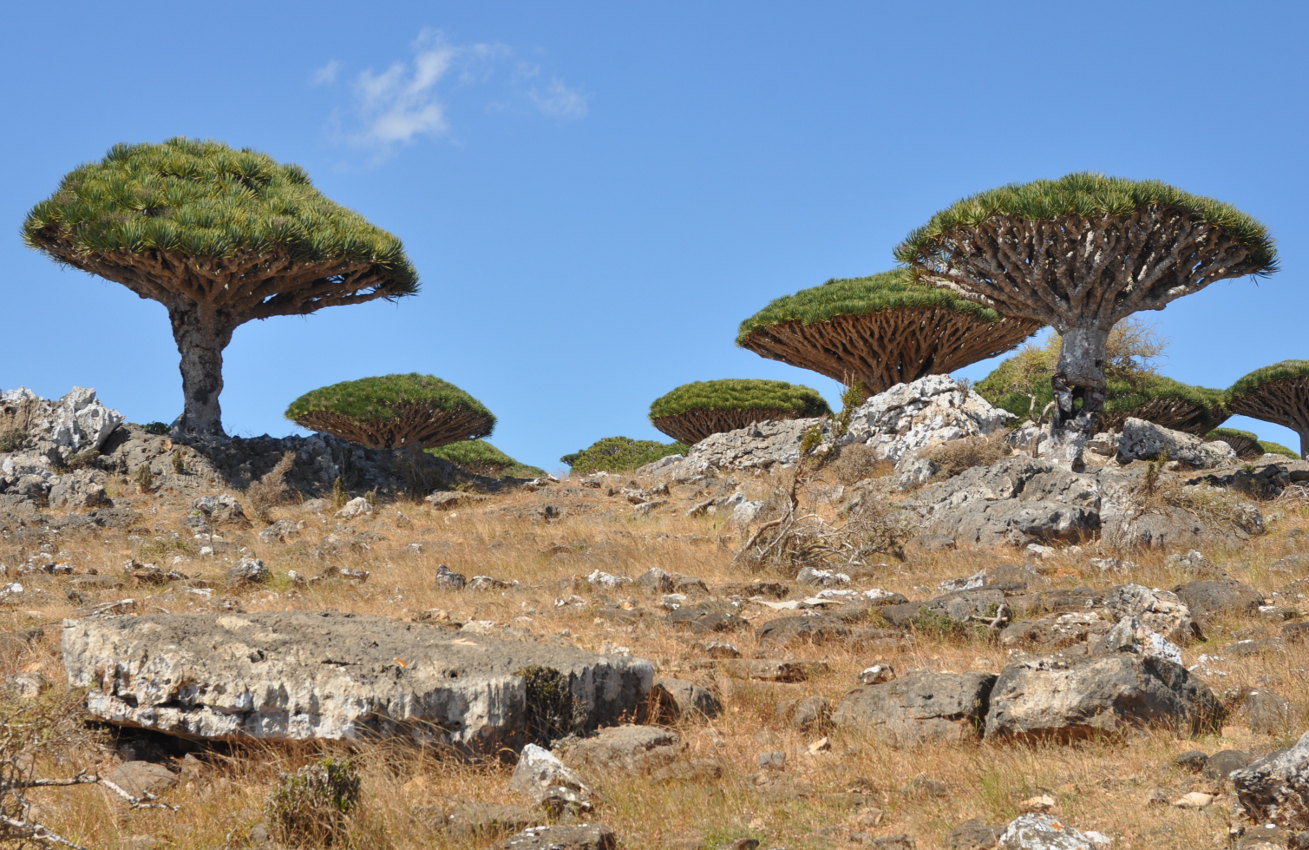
[[481, 458], [954, 456], [311, 807], [620, 454]]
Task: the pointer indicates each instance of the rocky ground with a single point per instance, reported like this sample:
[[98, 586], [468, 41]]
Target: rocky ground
[[919, 637]]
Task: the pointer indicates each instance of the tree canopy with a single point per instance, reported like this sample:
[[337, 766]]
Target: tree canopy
[[879, 331], [1081, 253], [394, 411], [620, 454], [1247, 444], [1278, 393], [693, 411], [219, 237], [481, 458]]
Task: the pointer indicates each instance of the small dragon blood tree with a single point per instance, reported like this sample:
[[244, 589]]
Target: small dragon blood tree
[[880, 331], [394, 412], [1080, 253], [1279, 394], [219, 237], [694, 411], [481, 458], [1247, 444]]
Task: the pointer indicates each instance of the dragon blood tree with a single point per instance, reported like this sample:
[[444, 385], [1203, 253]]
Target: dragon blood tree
[[880, 331], [1247, 444], [219, 237], [694, 411], [1278, 393], [411, 411], [1080, 253]]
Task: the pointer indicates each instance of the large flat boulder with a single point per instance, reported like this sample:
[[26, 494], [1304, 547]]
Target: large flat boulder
[[1058, 698], [327, 675], [920, 708]]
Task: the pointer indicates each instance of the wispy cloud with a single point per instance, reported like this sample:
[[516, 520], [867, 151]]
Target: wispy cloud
[[411, 98], [326, 75]]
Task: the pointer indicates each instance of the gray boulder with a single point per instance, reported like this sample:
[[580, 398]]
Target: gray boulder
[[920, 707], [587, 836], [1067, 699], [1220, 597], [1276, 789], [1159, 610], [324, 675], [1143, 440], [760, 446], [1043, 832], [541, 775]]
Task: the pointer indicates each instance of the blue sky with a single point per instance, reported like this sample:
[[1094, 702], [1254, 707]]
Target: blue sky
[[596, 194]]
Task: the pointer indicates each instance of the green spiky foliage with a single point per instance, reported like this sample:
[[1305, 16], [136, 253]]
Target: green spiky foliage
[[1021, 384], [219, 237], [694, 411], [880, 331], [482, 458], [394, 411], [1278, 393], [1081, 253], [620, 454], [1247, 444]]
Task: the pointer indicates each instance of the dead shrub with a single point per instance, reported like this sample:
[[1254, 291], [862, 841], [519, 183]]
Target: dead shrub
[[954, 456], [270, 489], [859, 462]]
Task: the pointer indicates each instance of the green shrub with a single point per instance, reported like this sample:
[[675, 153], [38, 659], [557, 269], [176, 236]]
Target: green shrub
[[156, 428], [620, 454], [12, 440], [482, 458], [311, 807]]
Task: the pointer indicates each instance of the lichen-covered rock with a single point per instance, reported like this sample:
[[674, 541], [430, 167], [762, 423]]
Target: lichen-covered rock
[[1043, 832], [1143, 440], [1276, 789], [908, 417], [325, 675], [1066, 699]]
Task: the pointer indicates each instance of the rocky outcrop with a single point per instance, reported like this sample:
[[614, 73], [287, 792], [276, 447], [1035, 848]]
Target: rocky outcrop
[[57, 429], [1143, 440], [322, 675], [908, 417], [921, 707], [1059, 698]]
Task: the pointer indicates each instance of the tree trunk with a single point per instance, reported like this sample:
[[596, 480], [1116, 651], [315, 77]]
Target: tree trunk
[[1079, 392], [201, 336], [1304, 444]]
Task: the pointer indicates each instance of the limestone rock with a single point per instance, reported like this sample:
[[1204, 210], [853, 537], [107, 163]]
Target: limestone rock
[[1159, 610], [1220, 597], [324, 675], [677, 699], [626, 749], [1276, 789], [1043, 832], [760, 446], [541, 775], [1065, 699], [919, 707], [908, 417], [580, 837], [1143, 440]]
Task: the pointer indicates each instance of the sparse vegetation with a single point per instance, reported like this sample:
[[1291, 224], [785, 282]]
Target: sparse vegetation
[[312, 807], [12, 440], [953, 457]]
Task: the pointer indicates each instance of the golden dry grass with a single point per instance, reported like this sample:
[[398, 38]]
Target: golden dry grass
[[832, 794]]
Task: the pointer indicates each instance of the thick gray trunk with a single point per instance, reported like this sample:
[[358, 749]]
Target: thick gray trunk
[[1304, 444], [201, 338], [1079, 393]]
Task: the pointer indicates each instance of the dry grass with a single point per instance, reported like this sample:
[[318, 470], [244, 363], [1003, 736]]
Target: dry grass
[[821, 797]]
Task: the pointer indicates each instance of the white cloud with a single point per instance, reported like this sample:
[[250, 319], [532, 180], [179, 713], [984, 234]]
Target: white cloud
[[326, 75], [410, 99], [559, 101]]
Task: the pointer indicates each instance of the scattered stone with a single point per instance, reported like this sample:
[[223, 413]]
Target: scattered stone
[[1268, 712], [1158, 610], [1042, 832], [769, 670], [1222, 764], [677, 699], [140, 778], [822, 578], [622, 749], [550, 783], [249, 571], [582, 837], [1275, 789], [878, 674], [812, 714], [973, 835], [356, 507], [217, 510], [448, 579], [1193, 800], [1219, 598]]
